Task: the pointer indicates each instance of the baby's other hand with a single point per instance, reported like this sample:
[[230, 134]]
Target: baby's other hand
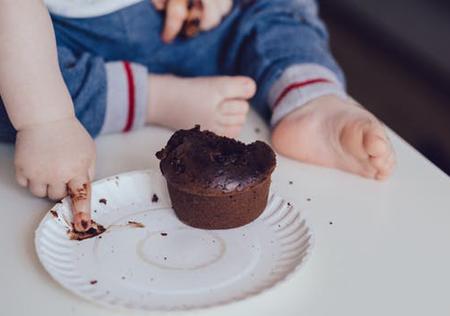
[[178, 12], [49, 156]]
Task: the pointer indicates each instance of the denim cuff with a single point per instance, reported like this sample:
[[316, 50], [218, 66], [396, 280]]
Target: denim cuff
[[126, 101], [300, 84]]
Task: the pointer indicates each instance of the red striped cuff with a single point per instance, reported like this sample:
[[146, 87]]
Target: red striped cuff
[[131, 97], [126, 102], [297, 85], [300, 84]]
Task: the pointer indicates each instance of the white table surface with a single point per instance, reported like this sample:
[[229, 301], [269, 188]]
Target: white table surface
[[387, 251]]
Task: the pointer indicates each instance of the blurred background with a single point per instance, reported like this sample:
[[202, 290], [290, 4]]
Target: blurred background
[[396, 56]]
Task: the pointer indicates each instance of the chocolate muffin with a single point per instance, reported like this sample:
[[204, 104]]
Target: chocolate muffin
[[216, 182]]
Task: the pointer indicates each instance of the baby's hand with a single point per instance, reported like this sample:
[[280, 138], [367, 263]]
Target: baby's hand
[[49, 156], [178, 12]]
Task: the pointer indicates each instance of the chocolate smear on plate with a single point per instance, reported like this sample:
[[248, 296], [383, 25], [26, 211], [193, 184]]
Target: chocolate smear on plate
[[135, 224], [95, 230]]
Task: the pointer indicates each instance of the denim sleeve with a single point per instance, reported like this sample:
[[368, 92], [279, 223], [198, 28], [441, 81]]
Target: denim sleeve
[[281, 43]]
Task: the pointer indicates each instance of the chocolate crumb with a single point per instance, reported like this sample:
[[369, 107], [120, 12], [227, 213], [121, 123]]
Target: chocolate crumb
[[289, 203], [100, 237], [103, 201], [93, 282], [257, 130], [191, 26], [165, 258], [123, 278], [291, 182], [308, 199], [54, 213], [136, 224], [331, 223], [95, 211], [60, 202], [155, 198], [163, 234]]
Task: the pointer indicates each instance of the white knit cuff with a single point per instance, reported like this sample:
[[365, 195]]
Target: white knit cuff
[[126, 100], [300, 84]]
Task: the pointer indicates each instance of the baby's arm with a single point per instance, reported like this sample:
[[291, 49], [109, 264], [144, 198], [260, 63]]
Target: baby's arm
[[52, 148], [31, 85]]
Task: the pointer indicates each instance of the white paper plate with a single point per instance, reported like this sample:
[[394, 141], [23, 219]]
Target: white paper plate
[[167, 265]]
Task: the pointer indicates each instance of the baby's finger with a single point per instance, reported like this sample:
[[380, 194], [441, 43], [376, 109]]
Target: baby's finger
[[176, 13], [225, 6], [79, 190], [21, 179], [39, 189], [57, 191], [211, 15], [159, 4]]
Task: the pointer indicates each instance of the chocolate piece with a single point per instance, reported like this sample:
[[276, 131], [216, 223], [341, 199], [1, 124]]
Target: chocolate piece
[[93, 282], [192, 25], [103, 201], [54, 213], [216, 182], [155, 198], [84, 224]]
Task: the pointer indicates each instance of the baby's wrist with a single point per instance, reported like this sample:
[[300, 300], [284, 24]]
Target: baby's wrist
[[40, 123]]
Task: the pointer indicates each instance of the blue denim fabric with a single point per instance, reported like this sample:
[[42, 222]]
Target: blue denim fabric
[[259, 38]]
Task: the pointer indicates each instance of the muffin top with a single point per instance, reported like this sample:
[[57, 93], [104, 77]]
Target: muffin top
[[204, 163]]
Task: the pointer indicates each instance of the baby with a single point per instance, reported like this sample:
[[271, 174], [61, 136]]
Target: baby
[[95, 67]]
